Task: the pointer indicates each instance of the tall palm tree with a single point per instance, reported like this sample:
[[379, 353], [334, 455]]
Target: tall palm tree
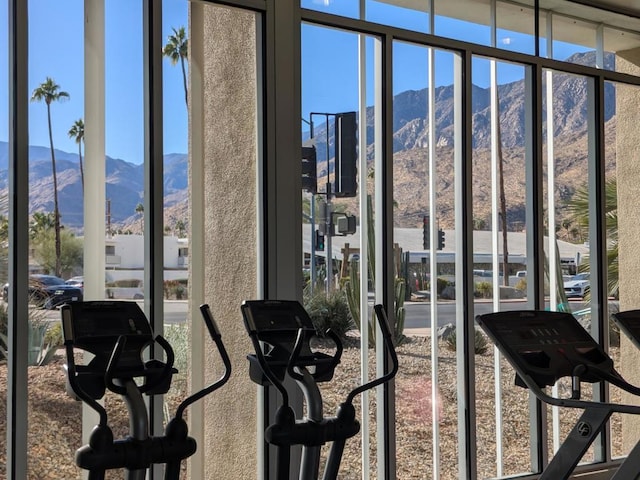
[[177, 49], [578, 208], [49, 92], [77, 133]]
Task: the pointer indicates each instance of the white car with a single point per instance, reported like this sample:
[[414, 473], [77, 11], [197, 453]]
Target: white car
[[578, 286]]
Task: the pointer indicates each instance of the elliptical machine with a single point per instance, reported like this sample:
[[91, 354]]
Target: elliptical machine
[[117, 333], [286, 329]]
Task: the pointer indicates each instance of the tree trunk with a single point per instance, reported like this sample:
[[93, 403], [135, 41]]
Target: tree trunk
[[56, 211], [503, 208], [184, 82]]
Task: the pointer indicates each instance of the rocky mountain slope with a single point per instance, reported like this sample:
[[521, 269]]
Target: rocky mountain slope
[[410, 144]]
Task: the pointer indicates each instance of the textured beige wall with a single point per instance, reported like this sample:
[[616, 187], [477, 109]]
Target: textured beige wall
[[230, 269], [628, 175]]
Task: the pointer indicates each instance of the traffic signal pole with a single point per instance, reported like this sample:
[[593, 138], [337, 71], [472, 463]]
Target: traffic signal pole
[[328, 237]]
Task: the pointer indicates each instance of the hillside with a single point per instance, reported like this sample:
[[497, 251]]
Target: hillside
[[125, 184]]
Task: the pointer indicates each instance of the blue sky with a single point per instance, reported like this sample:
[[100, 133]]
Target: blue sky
[[329, 69], [62, 58]]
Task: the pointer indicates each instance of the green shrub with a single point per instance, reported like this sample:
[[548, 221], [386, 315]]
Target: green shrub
[[178, 337], [329, 311], [483, 289], [53, 335], [481, 344], [441, 284], [176, 289]]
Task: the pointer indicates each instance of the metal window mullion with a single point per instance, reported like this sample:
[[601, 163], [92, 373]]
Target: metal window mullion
[[551, 209], [496, 149], [495, 222], [363, 264], [282, 198], [153, 193], [433, 264], [535, 240], [17, 372], [465, 351], [385, 277], [598, 241], [94, 168]]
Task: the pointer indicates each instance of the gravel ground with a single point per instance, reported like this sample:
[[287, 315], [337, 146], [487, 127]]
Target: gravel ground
[[54, 418]]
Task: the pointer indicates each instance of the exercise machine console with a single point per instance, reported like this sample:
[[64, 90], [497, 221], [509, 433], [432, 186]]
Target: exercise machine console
[[117, 333], [281, 332], [545, 346]]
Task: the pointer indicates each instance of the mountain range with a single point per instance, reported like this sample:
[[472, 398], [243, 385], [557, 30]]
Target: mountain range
[[124, 184], [410, 144]]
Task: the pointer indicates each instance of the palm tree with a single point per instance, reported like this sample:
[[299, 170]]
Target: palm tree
[[77, 133], [578, 207], [41, 223], [177, 49], [49, 92]]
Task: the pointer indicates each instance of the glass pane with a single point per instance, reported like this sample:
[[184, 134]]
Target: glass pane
[[348, 8], [569, 150], [423, 118], [453, 20], [176, 214], [385, 12], [500, 155], [515, 27], [56, 130], [339, 211], [574, 40]]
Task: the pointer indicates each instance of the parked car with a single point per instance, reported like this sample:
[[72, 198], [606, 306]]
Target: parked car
[[48, 291], [76, 282], [578, 286]]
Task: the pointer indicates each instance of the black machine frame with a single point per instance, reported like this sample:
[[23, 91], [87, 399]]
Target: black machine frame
[[117, 333], [544, 346]]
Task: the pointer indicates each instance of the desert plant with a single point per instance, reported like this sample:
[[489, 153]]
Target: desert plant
[[483, 289], [352, 294], [44, 337], [480, 342], [522, 285], [329, 311], [398, 329]]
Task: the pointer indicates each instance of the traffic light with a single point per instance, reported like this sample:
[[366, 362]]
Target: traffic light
[[426, 237], [440, 239], [319, 241], [346, 156], [309, 170]]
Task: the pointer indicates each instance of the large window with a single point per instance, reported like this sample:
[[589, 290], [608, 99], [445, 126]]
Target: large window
[[458, 157]]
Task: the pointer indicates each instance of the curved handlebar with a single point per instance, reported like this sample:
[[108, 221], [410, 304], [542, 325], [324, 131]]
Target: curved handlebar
[[381, 316], [214, 332]]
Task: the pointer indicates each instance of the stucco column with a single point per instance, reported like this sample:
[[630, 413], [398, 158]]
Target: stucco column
[[628, 176], [224, 244]]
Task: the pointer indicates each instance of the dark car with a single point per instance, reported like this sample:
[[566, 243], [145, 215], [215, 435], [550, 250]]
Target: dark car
[[49, 291]]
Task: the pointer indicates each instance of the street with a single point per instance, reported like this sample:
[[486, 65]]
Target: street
[[418, 314]]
